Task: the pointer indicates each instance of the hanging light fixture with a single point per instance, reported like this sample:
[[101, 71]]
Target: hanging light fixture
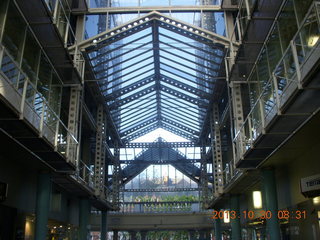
[[257, 199], [226, 216]]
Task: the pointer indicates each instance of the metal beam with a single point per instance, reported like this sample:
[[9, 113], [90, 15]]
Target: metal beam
[[178, 132], [162, 190], [185, 97], [146, 9], [124, 90], [160, 145], [135, 122], [141, 125], [189, 30], [185, 87], [142, 132], [159, 162], [178, 125], [131, 98]]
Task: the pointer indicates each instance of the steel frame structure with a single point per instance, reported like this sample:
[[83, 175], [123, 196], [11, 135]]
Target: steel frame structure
[[145, 72]]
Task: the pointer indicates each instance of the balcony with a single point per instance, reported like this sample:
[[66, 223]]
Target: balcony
[[286, 101], [29, 118]]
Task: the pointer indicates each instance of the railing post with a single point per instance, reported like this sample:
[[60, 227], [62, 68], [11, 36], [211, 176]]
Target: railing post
[[296, 63], [248, 10], [276, 89], [23, 99], [66, 35], [1, 55], [56, 135], [42, 118]]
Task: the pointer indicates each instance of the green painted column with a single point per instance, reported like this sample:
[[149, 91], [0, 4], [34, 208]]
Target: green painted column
[[217, 229], [103, 225], [271, 204], [84, 211], [133, 235], [235, 223], [115, 235], [42, 205], [202, 235], [143, 235]]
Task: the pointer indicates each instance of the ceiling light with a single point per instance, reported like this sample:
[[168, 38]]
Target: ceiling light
[[313, 40], [257, 199], [226, 216], [316, 200]]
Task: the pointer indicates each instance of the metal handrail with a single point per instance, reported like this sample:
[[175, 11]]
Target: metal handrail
[[271, 82]]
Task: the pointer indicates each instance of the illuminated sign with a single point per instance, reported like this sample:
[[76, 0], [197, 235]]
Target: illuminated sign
[[310, 186]]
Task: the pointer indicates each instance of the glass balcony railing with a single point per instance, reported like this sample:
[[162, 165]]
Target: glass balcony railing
[[283, 81], [36, 109], [160, 207]]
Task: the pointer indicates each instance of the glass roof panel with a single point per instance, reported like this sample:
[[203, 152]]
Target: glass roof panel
[[151, 80]]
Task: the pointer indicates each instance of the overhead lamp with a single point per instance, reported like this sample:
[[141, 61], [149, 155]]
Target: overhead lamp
[[313, 40], [226, 216], [316, 200], [257, 199]]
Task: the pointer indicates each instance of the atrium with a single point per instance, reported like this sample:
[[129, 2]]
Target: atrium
[[159, 120]]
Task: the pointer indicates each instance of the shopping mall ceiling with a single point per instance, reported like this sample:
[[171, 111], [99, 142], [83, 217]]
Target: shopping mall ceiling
[[157, 72]]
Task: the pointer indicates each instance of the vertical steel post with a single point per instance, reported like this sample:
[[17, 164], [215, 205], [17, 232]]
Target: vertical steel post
[[104, 225], [100, 153], [216, 151], [73, 124], [235, 223], [84, 211], [42, 205], [271, 203], [217, 229]]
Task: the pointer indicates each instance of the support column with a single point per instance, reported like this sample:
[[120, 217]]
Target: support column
[[271, 204], [143, 235], [204, 178], [84, 209], [115, 235], [99, 175], [217, 229], [192, 234], [42, 205], [133, 235], [202, 235], [73, 124], [103, 225], [217, 151], [237, 110], [235, 223]]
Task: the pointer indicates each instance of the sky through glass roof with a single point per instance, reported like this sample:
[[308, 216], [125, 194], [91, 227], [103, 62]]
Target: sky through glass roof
[[157, 72]]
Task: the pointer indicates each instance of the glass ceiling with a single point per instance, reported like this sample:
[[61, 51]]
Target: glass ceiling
[[157, 72]]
